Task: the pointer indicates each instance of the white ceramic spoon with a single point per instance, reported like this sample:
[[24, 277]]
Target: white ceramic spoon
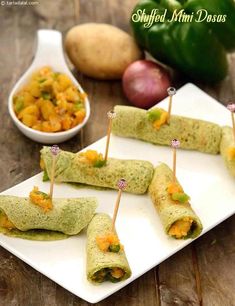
[[49, 53]]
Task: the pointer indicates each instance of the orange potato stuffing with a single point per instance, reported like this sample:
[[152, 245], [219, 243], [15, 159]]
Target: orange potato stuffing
[[50, 102]]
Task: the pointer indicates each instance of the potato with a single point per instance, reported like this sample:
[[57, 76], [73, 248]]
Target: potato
[[100, 50]]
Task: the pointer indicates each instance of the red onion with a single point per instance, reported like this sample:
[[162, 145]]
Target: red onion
[[145, 83]]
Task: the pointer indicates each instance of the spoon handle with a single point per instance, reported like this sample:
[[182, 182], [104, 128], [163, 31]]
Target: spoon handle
[[49, 48]]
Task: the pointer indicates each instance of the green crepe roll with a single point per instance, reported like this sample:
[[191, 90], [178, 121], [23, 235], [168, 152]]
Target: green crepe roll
[[193, 134], [69, 168], [227, 143], [67, 217], [100, 264], [173, 214]]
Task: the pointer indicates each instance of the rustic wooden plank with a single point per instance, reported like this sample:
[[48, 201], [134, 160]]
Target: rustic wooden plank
[[216, 260], [177, 280], [215, 250], [20, 284], [46, 292], [143, 291]]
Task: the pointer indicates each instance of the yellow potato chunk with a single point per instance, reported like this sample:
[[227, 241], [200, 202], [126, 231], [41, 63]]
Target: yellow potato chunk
[[50, 102], [29, 120], [35, 89], [29, 110], [5, 222], [181, 228], [47, 109]]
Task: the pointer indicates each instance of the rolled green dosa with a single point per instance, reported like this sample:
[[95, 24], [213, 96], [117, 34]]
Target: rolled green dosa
[[171, 211], [69, 168], [193, 134], [67, 217], [227, 142], [99, 263]]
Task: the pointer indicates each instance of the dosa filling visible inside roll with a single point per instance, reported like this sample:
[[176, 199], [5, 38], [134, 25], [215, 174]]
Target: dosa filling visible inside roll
[[172, 204], [106, 259]]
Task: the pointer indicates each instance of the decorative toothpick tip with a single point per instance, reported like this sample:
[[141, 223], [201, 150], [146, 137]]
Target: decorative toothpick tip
[[231, 107], [171, 91], [122, 184], [55, 150], [175, 143], [111, 114]]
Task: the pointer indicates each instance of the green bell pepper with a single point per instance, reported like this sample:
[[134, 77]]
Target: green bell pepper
[[192, 36]]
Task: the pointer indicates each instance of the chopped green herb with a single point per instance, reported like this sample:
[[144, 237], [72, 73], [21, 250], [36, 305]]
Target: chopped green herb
[[180, 196], [19, 104], [78, 106], [114, 248], [154, 114], [99, 163], [55, 75], [112, 279], [45, 195], [41, 80], [45, 176], [46, 95]]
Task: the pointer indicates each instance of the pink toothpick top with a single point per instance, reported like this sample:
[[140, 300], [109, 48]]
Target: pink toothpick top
[[175, 143], [231, 107], [122, 184], [171, 91], [55, 150], [111, 114]]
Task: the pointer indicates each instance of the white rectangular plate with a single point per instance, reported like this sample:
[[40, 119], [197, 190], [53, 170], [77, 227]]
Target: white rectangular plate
[[203, 176]]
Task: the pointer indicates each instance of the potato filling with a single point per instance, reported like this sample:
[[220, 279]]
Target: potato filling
[[110, 274], [177, 194], [181, 228], [231, 153], [5, 222], [41, 199], [50, 102], [109, 243], [92, 157], [158, 117]]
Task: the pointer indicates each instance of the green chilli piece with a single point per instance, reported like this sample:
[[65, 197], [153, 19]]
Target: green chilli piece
[[154, 114], [180, 196], [19, 103]]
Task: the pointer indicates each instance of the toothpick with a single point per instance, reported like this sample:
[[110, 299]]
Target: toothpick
[[111, 115], [174, 144], [54, 151], [231, 108], [171, 92], [121, 186]]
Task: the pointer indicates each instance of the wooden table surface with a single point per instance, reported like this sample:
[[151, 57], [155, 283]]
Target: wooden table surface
[[202, 273]]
